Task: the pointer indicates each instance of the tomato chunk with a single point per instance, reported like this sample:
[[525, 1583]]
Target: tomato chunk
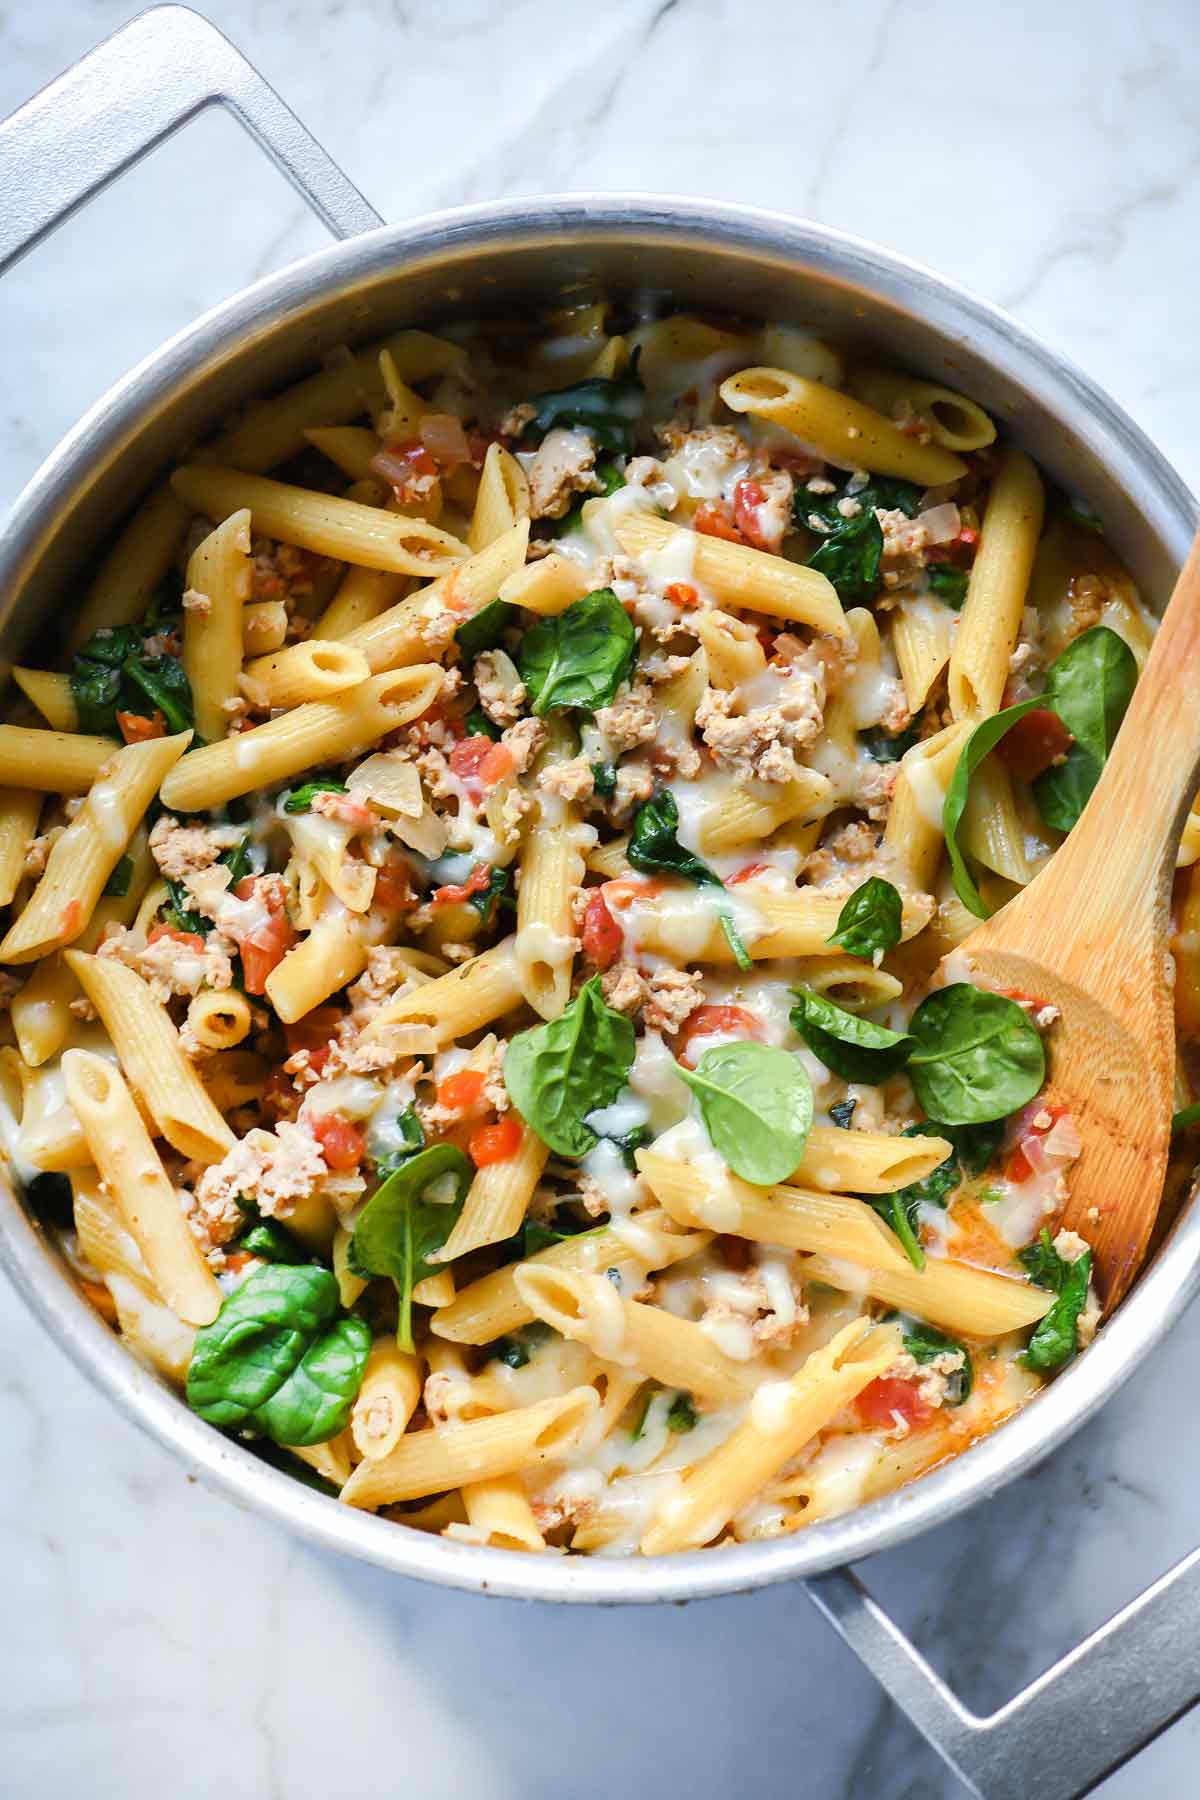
[[711, 1021], [1033, 743], [603, 939], [342, 1143], [495, 1143], [748, 873], [479, 763], [460, 1091], [681, 593], [264, 947], [458, 891], [392, 886], [138, 730], [714, 519], [887, 1395], [748, 496]]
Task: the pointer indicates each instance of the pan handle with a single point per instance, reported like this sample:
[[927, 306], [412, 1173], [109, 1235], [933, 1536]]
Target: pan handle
[[123, 99], [1076, 1724]]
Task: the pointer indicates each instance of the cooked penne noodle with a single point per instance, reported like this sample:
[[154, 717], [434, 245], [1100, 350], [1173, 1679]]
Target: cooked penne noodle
[[20, 809], [849, 434], [547, 587], [867, 1162], [397, 636], [953, 421], [953, 1294], [502, 500], [362, 595], [264, 627], [913, 834], [991, 614], [131, 1170], [923, 632], [320, 731], [499, 1514], [52, 762], [302, 672], [52, 696], [218, 587], [792, 924], [141, 554], [387, 1399], [464, 1000], [498, 1198], [741, 577], [351, 447], [219, 1019], [366, 535]]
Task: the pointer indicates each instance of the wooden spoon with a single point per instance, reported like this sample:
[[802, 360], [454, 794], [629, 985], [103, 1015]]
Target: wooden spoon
[[1089, 936]]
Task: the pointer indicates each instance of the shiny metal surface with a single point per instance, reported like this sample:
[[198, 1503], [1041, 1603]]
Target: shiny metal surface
[[509, 258]]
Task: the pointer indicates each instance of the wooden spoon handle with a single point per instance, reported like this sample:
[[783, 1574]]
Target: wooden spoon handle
[[1149, 779]]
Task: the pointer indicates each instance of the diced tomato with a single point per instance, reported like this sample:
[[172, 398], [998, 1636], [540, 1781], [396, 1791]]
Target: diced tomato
[[236, 1260], [748, 496], [1018, 1168], [409, 468], [479, 763], [887, 1395], [748, 873], [187, 940], [1032, 744], [603, 938], [496, 1143], [709, 1021], [342, 1144], [457, 892], [462, 1090], [392, 886], [968, 535], [267, 945], [681, 593], [714, 519], [627, 888], [137, 730], [1023, 1160], [72, 917]]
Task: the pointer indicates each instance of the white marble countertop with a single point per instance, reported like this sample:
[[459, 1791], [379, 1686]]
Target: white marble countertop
[[160, 1641]]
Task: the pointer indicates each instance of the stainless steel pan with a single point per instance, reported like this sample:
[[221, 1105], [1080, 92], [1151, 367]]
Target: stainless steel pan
[[1123, 1686]]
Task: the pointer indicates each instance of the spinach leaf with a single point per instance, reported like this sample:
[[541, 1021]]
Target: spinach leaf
[[559, 1072], [313, 1404], [948, 583], [638, 1427], [606, 407], [608, 473], [630, 1141], [887, 493], [300, 799], [479, 725], [496, 897], [940, 1183], [980, 744], [977, 1056], [870, 921], [1091, 685], [400, 1137], [756, 1103], [399, 1229], [516, 1351], [580, 658], [268, 1239], [899, 1210], [842, 1114], [850, 557], [179, 912], [604, 779], [1055, 1340], [887, 746], [118, 882], [50, 1197], [1186, 1118], [854, 1048], [277, 1458], [484, 629], [654, 848], [163, 683], [278, 1317], [682, 1415], [925, 1344], [237, 860], [974, 1148]]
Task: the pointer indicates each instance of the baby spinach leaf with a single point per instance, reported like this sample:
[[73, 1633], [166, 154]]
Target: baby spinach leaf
[[1091, 683], [974, 1145], [654, 848], [580, 658], [118, 882], [164, 685], [756, 1103], [278, 1458], [842, 1114], [936, 1188], [854, 1048], [1186, 1118], [397, 1141], [484, 629], [262, 1330], [268, 1239], [314, 1402], [479, 725], [977, 1056], [981, 743], [885, 492], [850, 557], [948, 583], [179, 912], [604, 779], [682, 1415], [1055, 1339], [401, 1228], [496, 897], [899, 1211], [606, 407], [559, 1072], [50, 1198], [870, 921], [516, 1351], [925, 1344], [300, 799], [887, 746]]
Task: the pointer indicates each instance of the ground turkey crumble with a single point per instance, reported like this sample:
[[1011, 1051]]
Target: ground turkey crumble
[[666, 998], [180, 850], [169, 967], [761, 742], [632, 719], [272, 1168], [501, 691], [563, 466]]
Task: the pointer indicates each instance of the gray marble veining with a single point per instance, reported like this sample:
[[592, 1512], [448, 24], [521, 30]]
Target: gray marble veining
[[157, 1640]]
